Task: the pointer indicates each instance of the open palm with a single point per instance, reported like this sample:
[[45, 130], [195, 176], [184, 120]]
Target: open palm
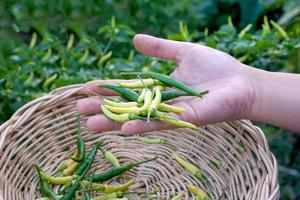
[[231, 92]]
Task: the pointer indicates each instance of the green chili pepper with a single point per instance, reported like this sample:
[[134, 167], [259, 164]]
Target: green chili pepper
[[178, 197], [120, 104], [80, 144], [118, 194], [198, 192], [245, 30], [188, 166], [168, 95], [88, 160], [45, 188], [279, 29], [115, 171], [138, 84], [110, 157], [119, 117], [168, 81], [123, 92], [62, 180], [152, 140]]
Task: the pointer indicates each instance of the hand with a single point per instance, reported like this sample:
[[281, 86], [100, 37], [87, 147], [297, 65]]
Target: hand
[[231, 90]]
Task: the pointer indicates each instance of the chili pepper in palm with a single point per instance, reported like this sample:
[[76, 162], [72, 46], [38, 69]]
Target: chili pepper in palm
[[188, 166], [110, 157], [120, 104], [170, 108], [118, 194], [155, 103], [113, 188], [198, 192], [80, 144], [45, 188], [170, 82], [123, 92], [168, 95], [133, 109], [148, 140], [139, 83], [142, 96], [88, 160], [175, 122], [115, 171], [71, 192], [178, 197], [119, 117]]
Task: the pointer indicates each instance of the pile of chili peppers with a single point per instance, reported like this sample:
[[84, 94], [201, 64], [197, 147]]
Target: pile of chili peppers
[[73, 175], [146, 99]]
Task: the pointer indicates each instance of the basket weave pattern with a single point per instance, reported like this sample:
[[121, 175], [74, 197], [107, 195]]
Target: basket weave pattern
[[234, 157]]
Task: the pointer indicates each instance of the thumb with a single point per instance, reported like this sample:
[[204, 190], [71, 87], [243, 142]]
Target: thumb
[[161, 48]]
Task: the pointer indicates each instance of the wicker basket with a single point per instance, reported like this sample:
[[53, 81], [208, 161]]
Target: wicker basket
[[234, 157]]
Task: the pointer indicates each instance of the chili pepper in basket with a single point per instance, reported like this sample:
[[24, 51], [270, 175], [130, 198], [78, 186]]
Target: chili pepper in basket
[[109, 196], [113, 188], [71, 169], [48, 198], [138, 84], [198, 192], [120, 104], [119, 117], [123, 92], [168, 81], [178, 197], [148, 140], [115, 171], [188, 166], [61, 180], [80, 144], [45, 188], [71, 192], [110, 157], [69, 162], [88, 160]]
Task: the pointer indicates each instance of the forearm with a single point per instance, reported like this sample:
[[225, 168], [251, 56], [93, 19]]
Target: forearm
[[277, 99]]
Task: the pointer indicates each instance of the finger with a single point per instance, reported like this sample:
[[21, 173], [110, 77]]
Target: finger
[[161, 48], [89, 105], [141, 126], [102, 123], [93, 86]]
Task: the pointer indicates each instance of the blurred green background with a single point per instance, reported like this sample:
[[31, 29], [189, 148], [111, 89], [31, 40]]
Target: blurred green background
[[48, 44]]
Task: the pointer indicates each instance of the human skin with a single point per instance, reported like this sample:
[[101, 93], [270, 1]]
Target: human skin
[[236, 91]]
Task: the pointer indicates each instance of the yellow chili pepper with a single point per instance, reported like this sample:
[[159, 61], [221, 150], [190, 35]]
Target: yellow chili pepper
[[188, 166], [133, 109], [120, 104], [109, 196], [62, 180], [118, 117], [178, 197], [109, 188], [198, 192], [155, 103], [176, 122], [170, 108], [149, 82], [71, 169], [142, 96]]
